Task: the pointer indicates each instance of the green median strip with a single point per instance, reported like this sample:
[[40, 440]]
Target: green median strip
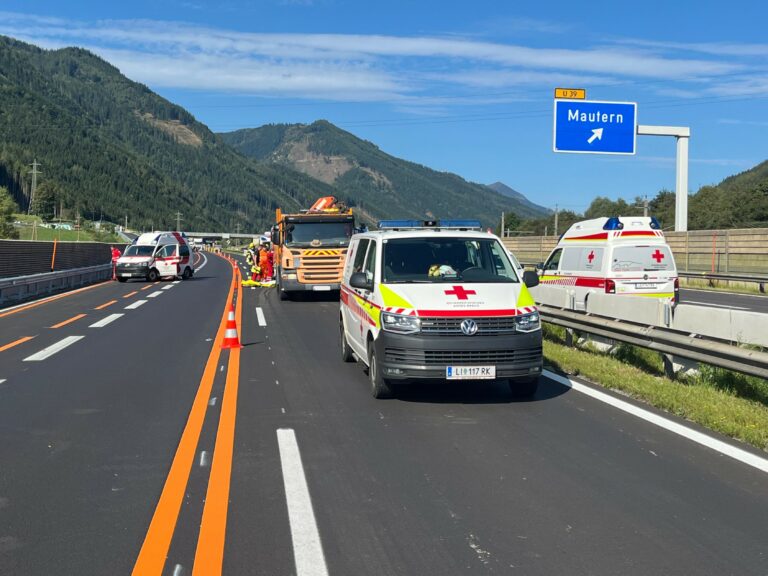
[[728, 403]]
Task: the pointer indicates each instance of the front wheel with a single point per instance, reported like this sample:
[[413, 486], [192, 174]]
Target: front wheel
[[153, 275], [524, 387], [119, 279], [380, 388], [346, 351], [187, 274]]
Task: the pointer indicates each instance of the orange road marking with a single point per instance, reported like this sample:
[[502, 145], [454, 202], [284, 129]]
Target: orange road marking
[[105, 305], [157, 542], [209, 556], [73, 319], [53, 299], [131, 294], [15, 343], [147, 287]]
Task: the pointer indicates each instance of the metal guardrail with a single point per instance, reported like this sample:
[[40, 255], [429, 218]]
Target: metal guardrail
[[35, 285], [761, 281], [665, 341]]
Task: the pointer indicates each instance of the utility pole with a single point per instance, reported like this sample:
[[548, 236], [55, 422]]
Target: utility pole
[[501, 230], [126, 222], [557, 215], [35, 173], [645, 205], [178, 221]]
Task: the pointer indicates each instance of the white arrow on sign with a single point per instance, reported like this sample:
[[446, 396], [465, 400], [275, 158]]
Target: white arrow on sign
[[596, 133]]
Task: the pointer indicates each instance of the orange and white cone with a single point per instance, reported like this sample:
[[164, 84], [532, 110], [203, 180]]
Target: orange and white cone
[[230, 336]]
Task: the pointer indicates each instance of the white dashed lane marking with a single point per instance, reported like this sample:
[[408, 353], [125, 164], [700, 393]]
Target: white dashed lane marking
[[136, 304], [167, 287], [108, 320], [53, 349], [155, 294], [260, 317]]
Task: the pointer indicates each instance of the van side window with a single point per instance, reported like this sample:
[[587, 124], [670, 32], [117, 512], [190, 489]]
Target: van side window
[[591, 259], [569, 261], [362, 247], [554, 260], [370, 262], [184, 251]]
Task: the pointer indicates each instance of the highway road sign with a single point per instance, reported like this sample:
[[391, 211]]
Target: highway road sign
[[571, 93], [595, 127]]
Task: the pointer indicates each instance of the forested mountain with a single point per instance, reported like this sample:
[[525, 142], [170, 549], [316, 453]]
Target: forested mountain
[[364, 176], [110, 146], [505, 190]]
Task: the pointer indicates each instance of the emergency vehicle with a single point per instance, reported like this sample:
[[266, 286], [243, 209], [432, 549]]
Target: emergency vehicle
[[438, 300], [626, 256], [156, 255]]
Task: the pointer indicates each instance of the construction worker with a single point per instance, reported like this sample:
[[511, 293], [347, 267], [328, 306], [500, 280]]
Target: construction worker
[[115, 255], [269, 263]]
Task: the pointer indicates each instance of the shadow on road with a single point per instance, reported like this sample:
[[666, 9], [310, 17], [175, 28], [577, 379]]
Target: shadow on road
[[473, 392]]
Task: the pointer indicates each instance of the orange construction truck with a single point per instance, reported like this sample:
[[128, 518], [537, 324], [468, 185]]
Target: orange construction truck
[[309, 247]]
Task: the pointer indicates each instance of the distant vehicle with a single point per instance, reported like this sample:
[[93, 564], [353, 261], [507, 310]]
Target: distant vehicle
[[309, 247], [620, 255], [156, 255], [441, 301]]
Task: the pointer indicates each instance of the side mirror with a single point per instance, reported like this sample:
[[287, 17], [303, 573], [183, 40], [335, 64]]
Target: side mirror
[[530, 278], [540, 266], [360, 280]]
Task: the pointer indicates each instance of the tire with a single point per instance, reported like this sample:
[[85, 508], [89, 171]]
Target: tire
[[524, 387], [153, 275], [380, 388], [281, 293], [346, 351], [119, 279], [187, 274]]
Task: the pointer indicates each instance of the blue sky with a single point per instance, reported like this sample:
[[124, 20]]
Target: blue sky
[[460, 87]]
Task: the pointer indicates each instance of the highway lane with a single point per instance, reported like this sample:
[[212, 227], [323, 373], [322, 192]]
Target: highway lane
[[747, 302], [443, 479]]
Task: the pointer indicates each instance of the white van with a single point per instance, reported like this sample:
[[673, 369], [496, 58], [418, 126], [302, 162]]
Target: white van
[[156, 255], [438, 301], [619, 255]]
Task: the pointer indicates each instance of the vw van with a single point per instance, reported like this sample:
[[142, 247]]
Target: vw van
[[156, 255]]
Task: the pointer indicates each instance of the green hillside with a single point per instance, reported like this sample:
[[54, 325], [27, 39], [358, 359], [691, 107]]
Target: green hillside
[[112, 147], [363, 175]]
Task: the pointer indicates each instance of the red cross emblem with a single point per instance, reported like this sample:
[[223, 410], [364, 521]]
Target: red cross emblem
[[658, 256], [460, 292], [591, 256]]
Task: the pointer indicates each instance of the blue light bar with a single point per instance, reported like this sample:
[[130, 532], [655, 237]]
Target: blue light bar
[[399, 224], [655, 223], [460, 224], [613, 224]]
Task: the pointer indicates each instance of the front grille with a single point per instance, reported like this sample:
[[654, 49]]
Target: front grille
[[452, 326], [459, 357], [321, 268]]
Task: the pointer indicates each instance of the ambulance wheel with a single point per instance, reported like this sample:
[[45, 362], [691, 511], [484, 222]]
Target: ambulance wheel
[[153, 275], [380, 388], [346, 351], [121, 279], [187, 274], [524, 387]]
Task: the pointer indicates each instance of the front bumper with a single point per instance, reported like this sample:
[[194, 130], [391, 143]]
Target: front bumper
[[123, 271], [415, 356], [296, 286]]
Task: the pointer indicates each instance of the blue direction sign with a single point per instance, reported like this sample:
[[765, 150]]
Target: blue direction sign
[[595, 127]]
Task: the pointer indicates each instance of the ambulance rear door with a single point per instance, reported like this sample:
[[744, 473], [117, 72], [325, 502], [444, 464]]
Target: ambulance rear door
[[647, 270]]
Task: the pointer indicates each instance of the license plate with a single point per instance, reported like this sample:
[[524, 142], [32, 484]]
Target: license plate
[[125, 274], [321, 288], [645, 285], [470, 372]]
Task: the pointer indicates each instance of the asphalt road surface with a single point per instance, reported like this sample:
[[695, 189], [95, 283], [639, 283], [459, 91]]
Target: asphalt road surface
[[748, 302], [142, 448]]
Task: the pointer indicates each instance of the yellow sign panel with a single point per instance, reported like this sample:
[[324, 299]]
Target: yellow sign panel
[[571, 93]]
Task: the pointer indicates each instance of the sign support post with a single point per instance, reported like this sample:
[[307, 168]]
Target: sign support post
[[683, 135]]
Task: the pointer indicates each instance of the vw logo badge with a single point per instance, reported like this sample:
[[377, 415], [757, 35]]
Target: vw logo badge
[[469, 327]]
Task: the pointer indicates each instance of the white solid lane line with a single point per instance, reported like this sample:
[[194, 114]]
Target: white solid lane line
[[3, 380], [53, 348], [104, 321], [718, 445], [715, 305], [167, 287], [307, 549], [136, 304], [155, 294], [260, 317], [205, 261]]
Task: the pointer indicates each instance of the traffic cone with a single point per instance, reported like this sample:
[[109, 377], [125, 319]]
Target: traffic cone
[[230, 336]]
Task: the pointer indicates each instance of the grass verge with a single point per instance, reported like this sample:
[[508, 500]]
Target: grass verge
[[720, 286], [728, 403]]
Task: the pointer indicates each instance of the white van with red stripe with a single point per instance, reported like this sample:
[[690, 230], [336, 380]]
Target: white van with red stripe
[[626, 256], [156, 255], [440, 301]]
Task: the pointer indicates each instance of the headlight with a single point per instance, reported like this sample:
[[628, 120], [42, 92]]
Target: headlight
[[528, 322], [399, 323]]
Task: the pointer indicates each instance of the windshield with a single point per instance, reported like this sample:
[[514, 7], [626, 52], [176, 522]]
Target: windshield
[[642, 259], [305, 234], [424, 260], [134, 250]]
